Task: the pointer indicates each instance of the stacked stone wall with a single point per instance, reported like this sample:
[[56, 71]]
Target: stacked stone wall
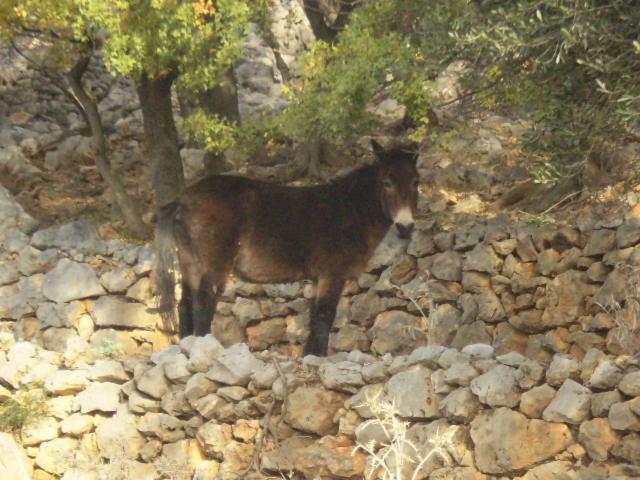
[[507, 351]]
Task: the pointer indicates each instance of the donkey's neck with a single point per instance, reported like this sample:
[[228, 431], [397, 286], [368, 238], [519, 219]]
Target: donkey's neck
[[360, 193]]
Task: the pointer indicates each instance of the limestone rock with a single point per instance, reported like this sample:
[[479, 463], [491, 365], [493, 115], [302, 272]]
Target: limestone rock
[[329, 457], [139, 403], [560, 470], [606, 375], [56, 456], [561, 368], [60, 314], [312, 410], [32, 260], [71, 280], [412, 393], [497, 387], [534, 401], [234, 366], [15, 464], [460, 405], [601, 402], [343, 376], [421, 244], [118, 280], [118, 436], [198, 386], [116, 312], [76, 425], [163, 426], [445, 323], [495, 432], [470, 334], [600, 241], [108, 371], [460, 373], [202, 352], [621, 417], [108, 342], [101, 397], [64, 382], [427, 356], [571, 404], [630, 384], [153, 382], [628, 449], [598, 437], [13, 216], [213, 437], [267, 333], [447, 266], [246, 310], [482, 259], [394, 331], [184, 453], [41, 430]]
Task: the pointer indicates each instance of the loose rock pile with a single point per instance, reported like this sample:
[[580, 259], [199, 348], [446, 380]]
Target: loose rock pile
[[198, 407]]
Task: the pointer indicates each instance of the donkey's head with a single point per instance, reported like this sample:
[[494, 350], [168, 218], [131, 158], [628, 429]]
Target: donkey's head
[[398, 186]]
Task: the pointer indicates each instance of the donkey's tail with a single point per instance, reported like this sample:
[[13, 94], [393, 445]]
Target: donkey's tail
[[166, 264]]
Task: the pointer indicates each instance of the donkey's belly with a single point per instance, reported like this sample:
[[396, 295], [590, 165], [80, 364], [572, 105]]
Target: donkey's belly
[[259, 265]]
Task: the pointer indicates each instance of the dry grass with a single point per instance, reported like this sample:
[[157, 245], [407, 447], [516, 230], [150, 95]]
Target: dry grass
[[398, 457]]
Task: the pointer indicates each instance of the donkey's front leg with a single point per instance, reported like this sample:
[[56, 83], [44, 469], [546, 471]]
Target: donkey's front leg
[[323, 313]]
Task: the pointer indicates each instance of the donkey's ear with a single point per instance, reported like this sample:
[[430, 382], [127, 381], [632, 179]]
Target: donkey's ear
[[378, 150]]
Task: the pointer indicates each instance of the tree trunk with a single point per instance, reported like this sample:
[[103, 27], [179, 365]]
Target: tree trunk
[[128, 208], [318, 24], [315, 153], [161, 136]]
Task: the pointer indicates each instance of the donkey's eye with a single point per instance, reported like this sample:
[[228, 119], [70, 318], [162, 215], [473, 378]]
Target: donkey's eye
[[388, 184], [415, 183]]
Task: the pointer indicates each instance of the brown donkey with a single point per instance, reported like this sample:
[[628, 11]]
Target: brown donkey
[[265, 233]]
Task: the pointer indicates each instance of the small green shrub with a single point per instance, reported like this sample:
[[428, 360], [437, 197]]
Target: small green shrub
[[107, 348], [24, 408]]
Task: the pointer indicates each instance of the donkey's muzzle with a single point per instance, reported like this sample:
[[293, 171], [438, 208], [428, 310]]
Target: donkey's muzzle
[[404, 230]]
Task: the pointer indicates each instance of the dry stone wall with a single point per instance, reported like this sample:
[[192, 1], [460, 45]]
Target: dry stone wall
[[505, 350]]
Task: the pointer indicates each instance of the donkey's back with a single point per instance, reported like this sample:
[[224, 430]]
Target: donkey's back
[[279, 233]]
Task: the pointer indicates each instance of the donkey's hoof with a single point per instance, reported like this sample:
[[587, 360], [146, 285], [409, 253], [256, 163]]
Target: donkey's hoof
[[314, 348]]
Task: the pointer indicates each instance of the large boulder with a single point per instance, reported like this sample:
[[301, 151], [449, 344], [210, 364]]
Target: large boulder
[[413, 394], [507, 441], [79, 236], [71, 280], [116, 312], [15, 464], [312, 409]]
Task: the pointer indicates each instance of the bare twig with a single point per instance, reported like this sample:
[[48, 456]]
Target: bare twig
[[254, 464], [561, 201], [285, 400], [266, 424]]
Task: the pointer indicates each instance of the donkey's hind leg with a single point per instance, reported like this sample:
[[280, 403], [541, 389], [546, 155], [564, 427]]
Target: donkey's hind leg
[[323, 313], [215, 259], [205, 301]]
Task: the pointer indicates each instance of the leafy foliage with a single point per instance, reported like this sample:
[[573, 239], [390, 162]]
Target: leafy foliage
[[199, 39], [572, 65], [216, 133]]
